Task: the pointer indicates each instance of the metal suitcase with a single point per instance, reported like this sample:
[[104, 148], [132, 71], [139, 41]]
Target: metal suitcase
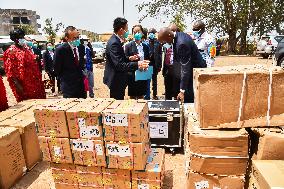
[[166, 122]]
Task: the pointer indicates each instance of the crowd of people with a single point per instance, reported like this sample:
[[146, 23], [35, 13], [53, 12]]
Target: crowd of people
[[173, 52]]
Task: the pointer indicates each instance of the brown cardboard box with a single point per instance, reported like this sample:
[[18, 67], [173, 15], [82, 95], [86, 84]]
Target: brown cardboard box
[[202, 181], [51, 119], [56, 150], [153, 175], [64, 173], [268, 144], [89, 177], [14, 110], [88, 152], [268, 174], [85, 119], [126, 121], [253, 183], [218, 92], [12, 161], [29, 139], [116, 178], [231, 143], [65, 186], [218, 165], [132, 156]]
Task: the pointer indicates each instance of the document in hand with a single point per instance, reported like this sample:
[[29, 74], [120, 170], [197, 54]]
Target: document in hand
[[144, 74]]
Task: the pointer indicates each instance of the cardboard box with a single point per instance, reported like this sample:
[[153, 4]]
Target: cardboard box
[[64, 173], [88, 152], [65, 186], [268, 174], [267, 144], [14, 110], [116, 178], [56, 150], [202, 181], [218, 165], [253, 183], [89, 177], [126, 121], [218, 93], [85, 119], [12, 159], [132, 156], [153, 175], [231, 143], [29, 139], [51, 119]]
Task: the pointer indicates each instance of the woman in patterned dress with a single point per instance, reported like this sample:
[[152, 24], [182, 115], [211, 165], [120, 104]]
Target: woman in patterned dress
[[3, 97]]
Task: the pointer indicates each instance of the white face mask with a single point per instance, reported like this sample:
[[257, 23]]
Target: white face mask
[[22, 42]]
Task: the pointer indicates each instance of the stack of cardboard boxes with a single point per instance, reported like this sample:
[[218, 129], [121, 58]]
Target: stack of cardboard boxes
[[228, 99], [99, 143], [19, 147]]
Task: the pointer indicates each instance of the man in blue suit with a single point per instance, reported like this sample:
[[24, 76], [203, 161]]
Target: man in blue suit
[[186, 57], [117, 65], [67, 66]]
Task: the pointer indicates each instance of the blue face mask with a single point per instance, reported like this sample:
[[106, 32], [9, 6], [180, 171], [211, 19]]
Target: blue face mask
[[29, 43], [196, 34], [152, 36], [75, 43], [126, 34], [167, 45], [22, 42], [138, 36], [50, 48], [35, 45]]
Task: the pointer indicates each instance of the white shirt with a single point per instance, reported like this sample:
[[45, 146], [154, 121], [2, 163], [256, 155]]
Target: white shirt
[[51, 54], [140, 51]]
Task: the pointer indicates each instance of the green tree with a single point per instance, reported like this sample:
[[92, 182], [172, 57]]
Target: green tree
[[50, 30], [29, 30], [237, 18]]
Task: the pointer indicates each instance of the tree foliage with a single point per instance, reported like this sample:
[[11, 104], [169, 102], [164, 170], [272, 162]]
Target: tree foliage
[[236, 18], [29, 29], [50, 30]]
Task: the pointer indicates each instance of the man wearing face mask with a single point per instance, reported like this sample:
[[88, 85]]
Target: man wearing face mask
[[22, 70], [186, 57], [140, 51], [48, 64], [117, 64], [67, 65], [37, 52], [205, 42]]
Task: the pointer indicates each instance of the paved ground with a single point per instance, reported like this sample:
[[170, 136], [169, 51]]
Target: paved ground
[[40, 177]]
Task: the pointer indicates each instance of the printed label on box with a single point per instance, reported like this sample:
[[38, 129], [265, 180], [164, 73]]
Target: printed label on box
[[119, 120], [107, 119], [117, 150], [57, 151], [202, 184], [159, 129], [81, 145], [89, 132], [143, 186], [99, 149], [81, 122]]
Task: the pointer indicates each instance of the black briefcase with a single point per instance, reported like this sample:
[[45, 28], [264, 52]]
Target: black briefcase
[[166, 123]]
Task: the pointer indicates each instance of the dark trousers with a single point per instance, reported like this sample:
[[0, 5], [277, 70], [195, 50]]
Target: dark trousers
[[117, 93], [154, 83], [52, 80], [171, 84]]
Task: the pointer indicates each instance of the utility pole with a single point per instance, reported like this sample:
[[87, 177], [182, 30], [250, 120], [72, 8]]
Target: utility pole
[[123, 8]]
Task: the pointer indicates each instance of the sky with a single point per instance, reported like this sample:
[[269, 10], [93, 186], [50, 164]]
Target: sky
[[92, 15]]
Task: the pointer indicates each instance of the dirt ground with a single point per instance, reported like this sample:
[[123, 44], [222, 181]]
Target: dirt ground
[[40, 177]]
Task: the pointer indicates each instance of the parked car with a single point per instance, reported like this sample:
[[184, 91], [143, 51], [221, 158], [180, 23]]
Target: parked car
[[99, 49], [279, 53], [267, 45]]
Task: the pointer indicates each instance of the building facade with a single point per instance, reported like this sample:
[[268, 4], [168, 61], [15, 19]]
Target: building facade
[[12, 18]]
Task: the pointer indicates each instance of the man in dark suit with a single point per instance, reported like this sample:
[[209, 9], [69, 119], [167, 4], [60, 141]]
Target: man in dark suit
[[186, 57], [67, 66], [117, 65], [48, 64], [38, 54]]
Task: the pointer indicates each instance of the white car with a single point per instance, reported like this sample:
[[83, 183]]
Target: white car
[[267, 45], [99, 49]]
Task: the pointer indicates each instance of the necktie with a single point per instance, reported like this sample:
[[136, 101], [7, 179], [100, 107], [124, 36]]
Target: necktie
[[168, 56], [76, 56]]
